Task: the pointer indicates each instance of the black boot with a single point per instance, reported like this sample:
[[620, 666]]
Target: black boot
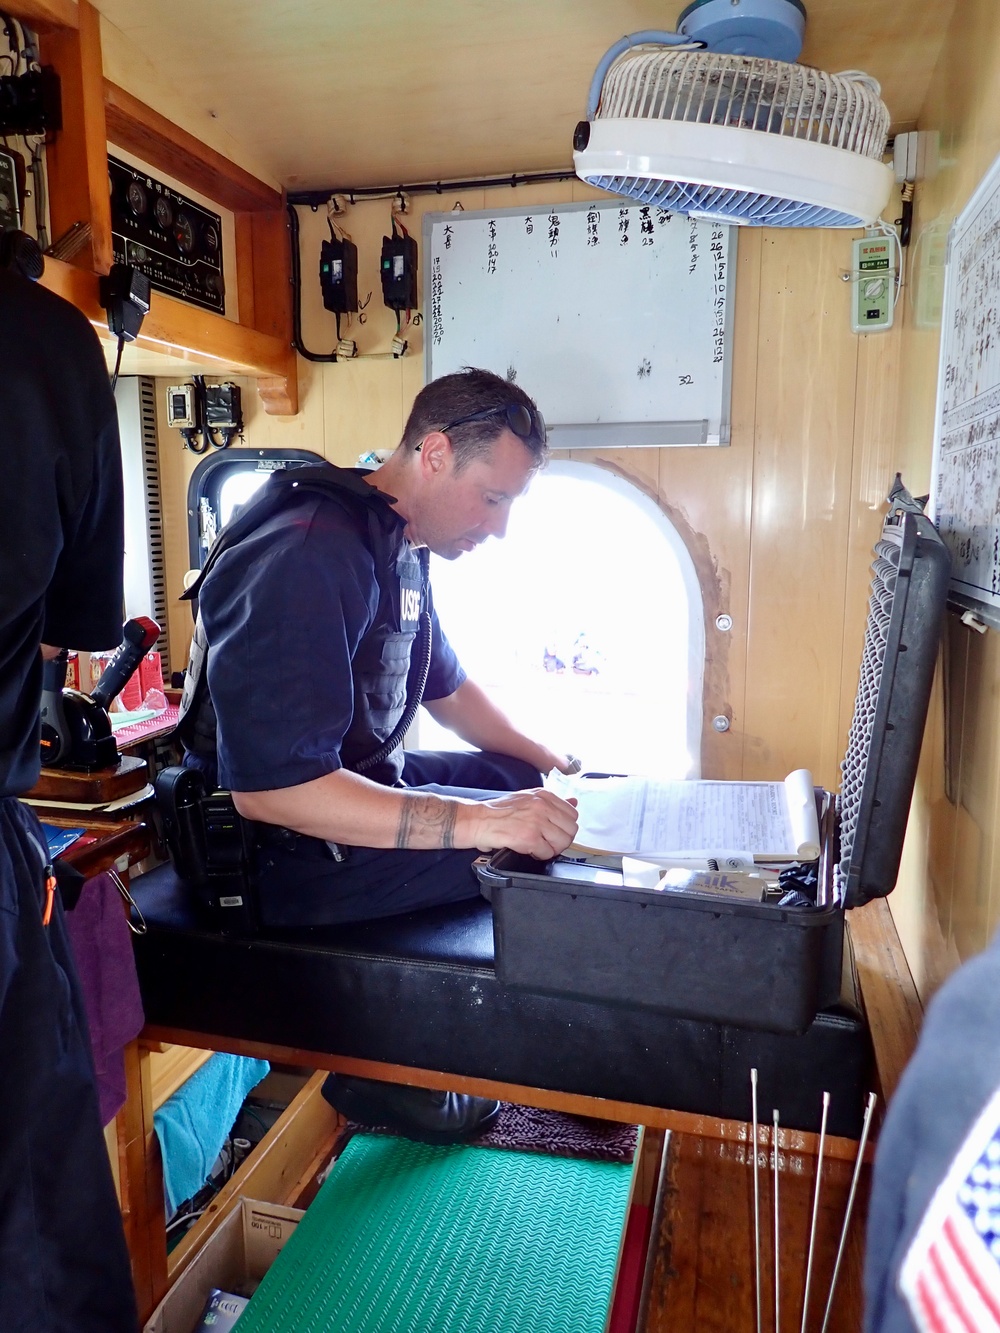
[[416, 1113]]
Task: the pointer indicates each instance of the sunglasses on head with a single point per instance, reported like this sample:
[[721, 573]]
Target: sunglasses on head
[[521, 421]]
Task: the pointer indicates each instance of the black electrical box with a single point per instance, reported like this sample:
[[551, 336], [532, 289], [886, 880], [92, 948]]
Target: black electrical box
[[30, 103], [223, 408], [399, 272], [338, 276]]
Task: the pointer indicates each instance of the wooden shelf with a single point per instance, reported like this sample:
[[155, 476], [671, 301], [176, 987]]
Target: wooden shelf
[[47, 15], [170, 1067], [177, 330], [176, 338]]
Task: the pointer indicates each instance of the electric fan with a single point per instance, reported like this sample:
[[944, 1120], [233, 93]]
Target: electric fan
[[730, 133]]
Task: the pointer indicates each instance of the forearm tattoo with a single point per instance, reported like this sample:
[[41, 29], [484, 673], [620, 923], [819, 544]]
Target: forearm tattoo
[[422, 816]]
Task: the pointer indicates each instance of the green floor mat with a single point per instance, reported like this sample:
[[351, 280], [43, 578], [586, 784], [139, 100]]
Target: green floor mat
[[405, 1238]]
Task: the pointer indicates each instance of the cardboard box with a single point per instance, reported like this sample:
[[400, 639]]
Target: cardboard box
[[238, 1253]]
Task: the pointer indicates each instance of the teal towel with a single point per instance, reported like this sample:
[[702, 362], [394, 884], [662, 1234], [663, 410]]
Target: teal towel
[[192, 1125]]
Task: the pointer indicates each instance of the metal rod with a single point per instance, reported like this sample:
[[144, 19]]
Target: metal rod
[[815, 1212], [777, 1247], [850, 1204], [756, 1197], [317, 198]]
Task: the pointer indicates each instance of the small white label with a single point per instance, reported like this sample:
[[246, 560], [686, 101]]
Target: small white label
[[230, 902]]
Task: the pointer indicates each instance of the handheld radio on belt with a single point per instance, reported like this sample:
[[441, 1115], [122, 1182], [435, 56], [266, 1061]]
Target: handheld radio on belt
[[211, 845]]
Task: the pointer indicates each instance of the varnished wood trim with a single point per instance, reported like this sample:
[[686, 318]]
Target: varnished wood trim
[[177, 329], [183, 330], [888, 993], [132, 839], [76, 159], [271, 274], [47, 15], [142, 1185], [243, 228], [170, 1068], [166, 147], [273, 1172], [630, 1113], [279, 394]]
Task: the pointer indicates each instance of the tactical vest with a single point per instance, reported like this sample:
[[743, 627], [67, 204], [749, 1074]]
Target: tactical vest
[[387, 683]]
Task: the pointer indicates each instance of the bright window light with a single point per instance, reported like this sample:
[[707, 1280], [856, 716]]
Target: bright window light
[[584, 625], [238, 487]]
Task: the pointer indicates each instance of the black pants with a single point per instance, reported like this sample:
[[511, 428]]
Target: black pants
[[64, 1266], [301, 884]]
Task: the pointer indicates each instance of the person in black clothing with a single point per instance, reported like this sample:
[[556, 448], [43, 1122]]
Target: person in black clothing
[[313, 607], [64, 1266], [317, 636]]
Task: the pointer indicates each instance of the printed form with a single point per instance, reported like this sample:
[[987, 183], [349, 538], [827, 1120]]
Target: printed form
[[633, 816]]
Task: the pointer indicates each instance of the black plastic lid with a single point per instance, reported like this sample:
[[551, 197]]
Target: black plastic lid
[[908, 593]]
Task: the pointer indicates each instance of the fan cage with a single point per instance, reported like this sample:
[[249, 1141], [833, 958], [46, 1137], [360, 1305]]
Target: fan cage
[[745, 92], [725, 205]]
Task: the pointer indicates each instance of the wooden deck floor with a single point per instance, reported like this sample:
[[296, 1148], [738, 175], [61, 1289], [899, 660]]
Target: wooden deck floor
[[703, 1274]]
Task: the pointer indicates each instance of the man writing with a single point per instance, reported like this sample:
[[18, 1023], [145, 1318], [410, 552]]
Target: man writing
[[318, 632]]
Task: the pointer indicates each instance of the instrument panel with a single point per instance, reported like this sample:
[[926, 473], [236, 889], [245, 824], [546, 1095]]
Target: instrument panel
[[176, 242]]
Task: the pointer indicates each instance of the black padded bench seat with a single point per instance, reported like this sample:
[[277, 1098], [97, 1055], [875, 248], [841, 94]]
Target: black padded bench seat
[[421, 991]]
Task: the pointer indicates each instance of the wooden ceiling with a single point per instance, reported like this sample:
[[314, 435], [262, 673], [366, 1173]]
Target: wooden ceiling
[[358, 93]]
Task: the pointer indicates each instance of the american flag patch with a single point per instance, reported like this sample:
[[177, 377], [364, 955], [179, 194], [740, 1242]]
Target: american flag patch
[[950, 1277]]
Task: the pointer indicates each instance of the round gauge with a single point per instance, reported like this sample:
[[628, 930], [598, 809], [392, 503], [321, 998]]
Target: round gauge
[[211, 238], [163, 212], [184, 233], [137, 198]]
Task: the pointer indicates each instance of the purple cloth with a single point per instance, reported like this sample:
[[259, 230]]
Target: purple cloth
[[102, 947]]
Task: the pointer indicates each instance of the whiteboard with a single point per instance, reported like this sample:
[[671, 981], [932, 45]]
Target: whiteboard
[[965, 489], [615, 317]]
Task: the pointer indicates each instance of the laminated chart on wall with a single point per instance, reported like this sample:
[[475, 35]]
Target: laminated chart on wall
[[615, 317], [965, 495]]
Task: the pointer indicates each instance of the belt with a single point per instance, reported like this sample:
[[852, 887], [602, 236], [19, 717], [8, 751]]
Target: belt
[[276, 835]]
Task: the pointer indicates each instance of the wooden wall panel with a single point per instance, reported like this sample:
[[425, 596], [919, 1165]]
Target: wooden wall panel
[[806, 378], [947, 901], [710, 492], [874, 467], [976, 793], [363, 408]]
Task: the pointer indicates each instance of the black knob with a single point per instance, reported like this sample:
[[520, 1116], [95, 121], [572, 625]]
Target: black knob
[[581, 135]]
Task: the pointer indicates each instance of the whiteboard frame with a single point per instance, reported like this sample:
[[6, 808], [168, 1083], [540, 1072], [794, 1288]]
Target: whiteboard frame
[[608, 434], [959, 596]]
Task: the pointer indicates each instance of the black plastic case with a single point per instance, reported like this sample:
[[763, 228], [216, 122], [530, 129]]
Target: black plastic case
[[577, 930]]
